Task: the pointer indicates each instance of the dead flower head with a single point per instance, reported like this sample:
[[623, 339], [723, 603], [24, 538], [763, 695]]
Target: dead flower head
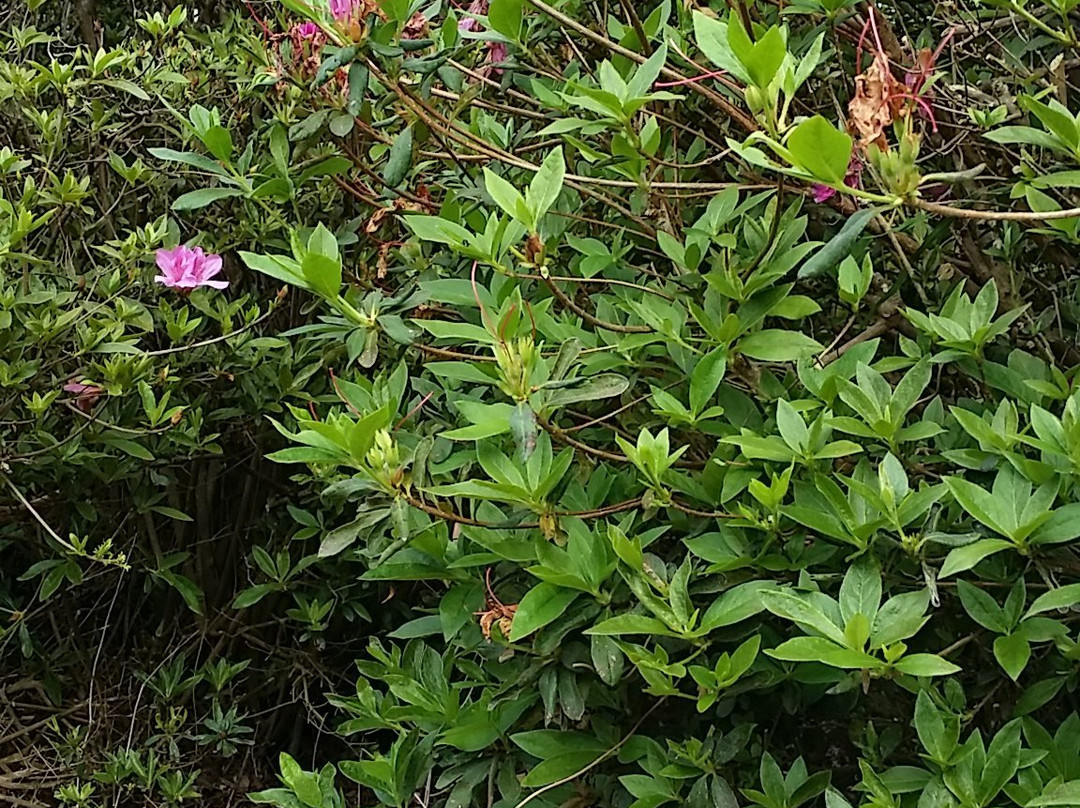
[[495, 612]]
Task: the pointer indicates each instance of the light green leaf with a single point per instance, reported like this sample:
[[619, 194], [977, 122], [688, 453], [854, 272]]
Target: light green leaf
[[1012, 652], [821, 149], [193, 200], [776, 345], [966, 557], [1064, 597], [925, 665], [505, 17], [546, 185]]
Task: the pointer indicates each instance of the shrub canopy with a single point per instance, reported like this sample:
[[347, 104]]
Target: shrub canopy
[[660, 404]]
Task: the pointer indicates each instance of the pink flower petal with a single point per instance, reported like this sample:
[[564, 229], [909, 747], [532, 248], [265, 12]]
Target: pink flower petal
[[211, 265], [188, 267]]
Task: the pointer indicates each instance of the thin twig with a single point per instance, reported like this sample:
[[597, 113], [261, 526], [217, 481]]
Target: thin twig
[[571, 777], [993, 215], [592, 320], [733, 112]]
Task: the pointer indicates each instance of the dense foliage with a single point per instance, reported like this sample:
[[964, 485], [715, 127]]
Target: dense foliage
[[420, 403]]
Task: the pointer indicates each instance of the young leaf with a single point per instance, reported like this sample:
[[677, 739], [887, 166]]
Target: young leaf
[[821, 149], [545, 186]]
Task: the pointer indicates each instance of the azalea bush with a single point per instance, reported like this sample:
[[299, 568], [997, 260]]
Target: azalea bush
[[557, 404]]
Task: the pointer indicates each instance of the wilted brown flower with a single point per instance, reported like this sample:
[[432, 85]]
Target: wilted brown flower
[[495, 612]]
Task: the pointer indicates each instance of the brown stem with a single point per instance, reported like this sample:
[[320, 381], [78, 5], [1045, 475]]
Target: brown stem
[[618, 328], [993, 215], [635, 23], [733, 112], [704, 514]]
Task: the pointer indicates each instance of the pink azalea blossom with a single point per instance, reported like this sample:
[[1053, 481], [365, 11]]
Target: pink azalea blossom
[[187, 268], [496, 53], [305, 30], [852, 179], [470, 23], [86, 395], [343, 10]]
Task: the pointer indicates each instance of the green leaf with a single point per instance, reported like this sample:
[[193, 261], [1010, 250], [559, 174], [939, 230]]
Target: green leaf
[[792, 427], [631, 624], [129, 447], [541, 604], [506, 196], [189, 591], [399, 158], [592, 388], [981, 504], [1062, 526], [763, 58], [218, 140], [712, 39], [821, 149], [1064, 597], [189, 158], [982, 608], [437, 229], [505, 17], [925, 665], [126, 86], [647, 73], [558, 767], [1012, 652], [252, 595], [1002, 761], [860, 591], [550, 743], [1055, 118], [1026, 135], [818, 649], [321, 264], [735, 605], [776, 345], [1062, 795], [839, 246], [966, 557], [607, 659], [280, 267], [706, 377], [786, 604], [546, 185], [193, 200]]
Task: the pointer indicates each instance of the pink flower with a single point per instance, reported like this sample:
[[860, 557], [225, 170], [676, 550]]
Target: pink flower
[[86, 395], [185, 268], [470, 23], [852, 179], [496, 54], [342, 10], [305, 30]]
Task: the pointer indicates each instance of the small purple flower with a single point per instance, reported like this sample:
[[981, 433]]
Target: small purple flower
[[853, 178], [187, 268], [305, 30], [86, 395]]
